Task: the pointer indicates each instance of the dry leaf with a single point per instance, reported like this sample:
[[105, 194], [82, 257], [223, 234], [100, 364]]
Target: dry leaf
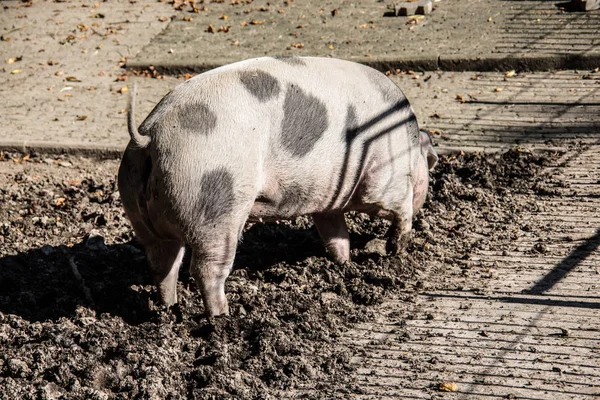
[[298, 45], [163, 19], [11, 60], [498, 89], [256, 22], [510, 73], [224, 29], [363, 26], [223, 16], [60, 201], [72, 79], [26, 158], [81, 117], [210, 29], [448, 387], [16, 71], [188, 19], [460, 98], [124, 89]]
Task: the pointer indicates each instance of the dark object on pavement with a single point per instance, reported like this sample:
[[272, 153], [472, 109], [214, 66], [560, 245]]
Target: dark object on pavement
[[586, 5]]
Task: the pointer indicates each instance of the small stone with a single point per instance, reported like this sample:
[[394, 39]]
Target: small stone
[[376, 246], [95, 241], [65, 164], [448, 387], [407, 8], [47, 250]]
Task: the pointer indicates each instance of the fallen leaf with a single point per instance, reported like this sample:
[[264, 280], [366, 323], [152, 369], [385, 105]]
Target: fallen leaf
[[448, 387], [72, 79], [498, 89], [298, 45], [124, 89], [26, 158], [223, 16], [416, 18], [363, 26], [256, 22], [210, 29], [163, 19], [460, 98], [50, 62], [16, 71], [188, 19], [510, 73], [81, 117], [11, 60], [224, 29], [60, 201]]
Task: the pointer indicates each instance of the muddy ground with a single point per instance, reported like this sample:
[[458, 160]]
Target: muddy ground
[[79, 317]]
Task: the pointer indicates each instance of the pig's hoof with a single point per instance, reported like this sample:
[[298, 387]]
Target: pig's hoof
[[396, 246]]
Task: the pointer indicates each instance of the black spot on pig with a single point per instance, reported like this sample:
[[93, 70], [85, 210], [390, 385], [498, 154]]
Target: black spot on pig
[[351, 130], [196, 118], [293, 197], [304, 121], [217, 196], [260, 84], [296, 61]]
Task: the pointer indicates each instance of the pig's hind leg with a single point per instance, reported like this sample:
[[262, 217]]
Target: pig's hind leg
[[334, 233], [165, 258], [212, 261]]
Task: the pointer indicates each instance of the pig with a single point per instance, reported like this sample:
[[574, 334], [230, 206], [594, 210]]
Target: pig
[[263, 139]]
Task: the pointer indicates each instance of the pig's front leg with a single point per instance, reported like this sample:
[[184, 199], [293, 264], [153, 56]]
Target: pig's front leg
[[399, 231], [334, 233]]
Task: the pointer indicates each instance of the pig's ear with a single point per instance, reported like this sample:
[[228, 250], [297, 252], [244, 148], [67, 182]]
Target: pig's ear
[[428, 150]]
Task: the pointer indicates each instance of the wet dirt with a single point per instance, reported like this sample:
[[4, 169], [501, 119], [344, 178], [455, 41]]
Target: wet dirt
[[79, 317]]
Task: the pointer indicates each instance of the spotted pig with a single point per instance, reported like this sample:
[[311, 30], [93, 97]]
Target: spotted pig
[[269, 138]]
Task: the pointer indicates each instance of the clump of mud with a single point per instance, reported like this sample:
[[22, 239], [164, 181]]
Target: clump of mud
[[79, 317]]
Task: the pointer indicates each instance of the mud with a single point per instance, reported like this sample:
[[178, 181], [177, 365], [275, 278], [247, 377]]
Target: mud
[[79, 317]]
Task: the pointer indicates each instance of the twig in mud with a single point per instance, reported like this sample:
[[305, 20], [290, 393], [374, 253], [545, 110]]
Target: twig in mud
[[75, 270]]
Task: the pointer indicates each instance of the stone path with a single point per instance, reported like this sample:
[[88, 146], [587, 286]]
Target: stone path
[[515, 323]]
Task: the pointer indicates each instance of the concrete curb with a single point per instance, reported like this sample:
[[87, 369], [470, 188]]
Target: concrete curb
[[456, 63], [78, 149]]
